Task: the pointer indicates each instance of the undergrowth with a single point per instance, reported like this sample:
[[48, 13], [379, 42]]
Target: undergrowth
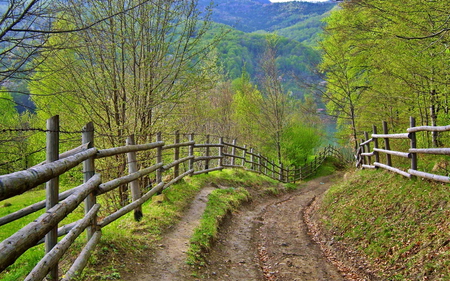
[[402, 226]]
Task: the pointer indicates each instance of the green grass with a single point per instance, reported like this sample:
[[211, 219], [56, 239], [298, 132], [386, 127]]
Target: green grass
[[220, 203], [328, 167], [401, 225], [28, 260]]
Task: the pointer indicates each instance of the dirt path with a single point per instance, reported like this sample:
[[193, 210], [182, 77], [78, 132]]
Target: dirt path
[[169, 262], [268, 240], [264, 240]]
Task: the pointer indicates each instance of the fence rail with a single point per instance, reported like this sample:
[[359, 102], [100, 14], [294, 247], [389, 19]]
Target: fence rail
[[365, 154], [198, 158]]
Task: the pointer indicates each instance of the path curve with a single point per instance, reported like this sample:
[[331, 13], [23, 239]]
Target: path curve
[[264, 240], [268, 240]]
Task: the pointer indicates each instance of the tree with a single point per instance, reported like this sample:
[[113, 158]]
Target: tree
[[275, 104], [247, 100], [14, 154], [394, 53], [130, 73]]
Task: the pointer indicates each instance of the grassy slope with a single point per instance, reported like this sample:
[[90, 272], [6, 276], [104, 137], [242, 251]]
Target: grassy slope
[[27, 261], [401, 225]]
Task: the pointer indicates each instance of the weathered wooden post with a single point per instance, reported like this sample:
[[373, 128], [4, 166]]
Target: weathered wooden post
[[252, 159], [176, 168], [159, 171], [52, 186], [233, 152], [207, 152], [387, 146], [266, 166], [273, 169], [191, 153], [221, 160], [375, 145], [132, 168], [287, 174], [363, 150], [369, 159], [244, 155], [280, 176], [412, 136], [259, 163], [88, 172]]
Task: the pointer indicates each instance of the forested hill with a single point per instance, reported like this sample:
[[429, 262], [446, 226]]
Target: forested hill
[[296, 24], [255, 15]]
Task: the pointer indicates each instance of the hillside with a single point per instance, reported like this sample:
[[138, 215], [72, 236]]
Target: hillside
[[254, 15], [392, 227], [240, 48], [298, 25]]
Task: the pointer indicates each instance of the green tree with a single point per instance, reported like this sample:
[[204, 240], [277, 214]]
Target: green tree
[[14, 152], [397, 53], [131, 71]]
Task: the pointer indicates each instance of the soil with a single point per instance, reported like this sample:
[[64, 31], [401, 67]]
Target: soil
[[267, 239]]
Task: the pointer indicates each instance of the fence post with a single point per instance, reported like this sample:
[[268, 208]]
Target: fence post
[[387, 146], [369, 159], [52, 186], [88, 172], [252, 159], [412, 136], [287, 174], [221, 152], [191, 153], [159, 159], [176, 168], [132, 168], [363, 150], [233, 152], [266, 165], [281, 172], [259, 163], [375, 145], [207, 153], [273, 169], [244, 154]]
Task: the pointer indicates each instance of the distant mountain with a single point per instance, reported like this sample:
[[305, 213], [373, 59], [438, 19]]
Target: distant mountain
[[262, 15], [297, 23]]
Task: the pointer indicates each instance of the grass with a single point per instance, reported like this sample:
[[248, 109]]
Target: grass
[[220, 203], [400, 225], [26, 262]]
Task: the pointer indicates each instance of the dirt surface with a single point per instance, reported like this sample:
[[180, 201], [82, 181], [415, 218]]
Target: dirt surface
[[265, 240]]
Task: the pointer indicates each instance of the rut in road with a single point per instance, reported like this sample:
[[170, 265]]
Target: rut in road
[[265, 240]]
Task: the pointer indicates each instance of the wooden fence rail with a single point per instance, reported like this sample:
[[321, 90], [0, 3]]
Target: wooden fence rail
[[364, 152], [200, 159]]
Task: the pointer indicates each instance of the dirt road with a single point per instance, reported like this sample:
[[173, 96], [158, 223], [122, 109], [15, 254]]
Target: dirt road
[[264, 240]]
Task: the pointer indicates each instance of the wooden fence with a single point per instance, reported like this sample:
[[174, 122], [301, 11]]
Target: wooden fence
[[200, 159], [365, 155]]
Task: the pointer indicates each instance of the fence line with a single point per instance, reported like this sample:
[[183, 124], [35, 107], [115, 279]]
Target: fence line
[[200, 158], [364, 153]]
